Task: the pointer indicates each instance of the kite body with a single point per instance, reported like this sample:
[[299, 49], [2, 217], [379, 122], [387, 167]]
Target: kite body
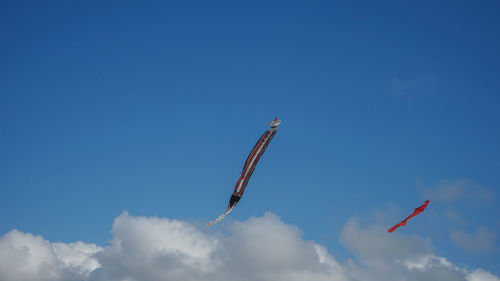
[[249, 167], [415, 212]]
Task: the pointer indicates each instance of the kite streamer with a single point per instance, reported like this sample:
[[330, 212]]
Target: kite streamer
[[220, 217]]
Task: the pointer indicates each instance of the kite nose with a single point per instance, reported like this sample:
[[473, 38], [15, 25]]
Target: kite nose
[[276, 119], [234, 199]]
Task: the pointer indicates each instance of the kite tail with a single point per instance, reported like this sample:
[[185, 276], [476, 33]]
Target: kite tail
[[232, 202], [221, 216], [392, 228]]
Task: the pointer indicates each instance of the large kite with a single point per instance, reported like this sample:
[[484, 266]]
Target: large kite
[[250, 164], [415, 212]]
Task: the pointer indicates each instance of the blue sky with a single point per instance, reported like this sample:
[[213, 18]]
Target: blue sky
[[153, 107]]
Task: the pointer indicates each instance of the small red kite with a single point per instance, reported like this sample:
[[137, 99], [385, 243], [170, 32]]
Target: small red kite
[[416, 212]]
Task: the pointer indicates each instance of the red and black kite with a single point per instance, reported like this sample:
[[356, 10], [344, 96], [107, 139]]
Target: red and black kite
[[249, 166]]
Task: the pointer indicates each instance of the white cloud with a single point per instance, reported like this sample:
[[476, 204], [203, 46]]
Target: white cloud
[[395, 256], [77, 259], [373, 243], [26, 257], [265, 248], [156, 249], [482, 240], [426, 262], [260, 248], [481, 275]]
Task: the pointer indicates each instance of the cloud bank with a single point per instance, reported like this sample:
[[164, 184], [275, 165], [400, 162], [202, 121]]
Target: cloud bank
[[260, 248]]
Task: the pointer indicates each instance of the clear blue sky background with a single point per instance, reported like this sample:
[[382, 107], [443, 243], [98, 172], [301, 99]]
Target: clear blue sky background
[[153, 107]]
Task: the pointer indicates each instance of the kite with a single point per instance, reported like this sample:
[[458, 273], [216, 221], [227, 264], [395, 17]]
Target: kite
[[415, 212], [249, 166]]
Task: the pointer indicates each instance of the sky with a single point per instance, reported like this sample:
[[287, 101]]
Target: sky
[[124, 127]]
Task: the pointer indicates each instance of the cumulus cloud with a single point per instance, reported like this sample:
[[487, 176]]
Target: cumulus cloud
[[482, 240], [26, 257], [265, 248], [156, 249], [260, 248], [372, 245], [394, 256], [398, 257], [481, 275]]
